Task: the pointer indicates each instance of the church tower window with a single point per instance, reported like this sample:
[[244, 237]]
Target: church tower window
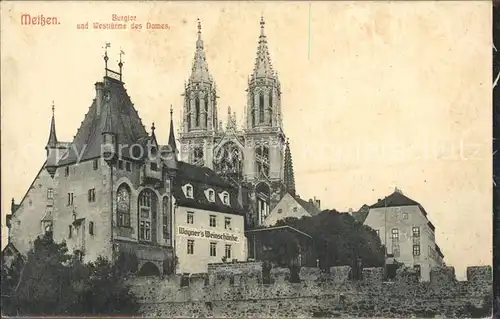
[[123, 206], [261, 108], [205, 103], [166, 219], [197, 111], [271, 107]]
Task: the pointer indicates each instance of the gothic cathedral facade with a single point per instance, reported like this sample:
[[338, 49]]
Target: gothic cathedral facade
[[252, 157]]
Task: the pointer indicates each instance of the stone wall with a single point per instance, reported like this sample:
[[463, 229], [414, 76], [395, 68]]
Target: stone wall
[[236, 290]]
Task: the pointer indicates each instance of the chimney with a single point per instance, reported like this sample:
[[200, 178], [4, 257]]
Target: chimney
[[99, 93], [350, 210], [310, 200]]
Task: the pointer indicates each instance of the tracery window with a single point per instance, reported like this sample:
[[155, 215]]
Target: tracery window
[[166, 219], [261, 108], [271, 107], [197, 111], [262, 161], [147, 215], [123, 206]]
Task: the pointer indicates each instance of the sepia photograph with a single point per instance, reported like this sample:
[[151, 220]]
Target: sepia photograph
[[265, 159]]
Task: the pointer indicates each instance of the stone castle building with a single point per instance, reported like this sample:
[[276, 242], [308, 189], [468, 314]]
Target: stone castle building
[[403, 226], [252, 156]]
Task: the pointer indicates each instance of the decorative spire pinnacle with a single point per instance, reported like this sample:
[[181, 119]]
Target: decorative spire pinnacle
[[52, 134], [171, 137], [199, 72], [289, 178], [263, 66], [153, 128], [120, 63], [106, 46]]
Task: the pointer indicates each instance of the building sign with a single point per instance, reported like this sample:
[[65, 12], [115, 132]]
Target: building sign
[[207, 234]]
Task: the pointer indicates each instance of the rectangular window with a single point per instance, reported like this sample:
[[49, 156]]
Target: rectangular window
[[211, 195], [416, 231], [213, 249], [70, 233], [123, 219], [91, 195], [66, 171], [405, 215], [228, 251], [96, 165], [70, 199], [378, 232], [154, 167], [416, 250], [91, 228], [225, 198], [395, 234], [190, 247], [417, 269], [128, 166], [120, 164], [50, 193], [190, 217], [227, 223], [280, 211], [213, 222], [145, 230]]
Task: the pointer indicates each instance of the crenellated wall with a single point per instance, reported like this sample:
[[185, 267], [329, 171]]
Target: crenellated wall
[[237, 290]]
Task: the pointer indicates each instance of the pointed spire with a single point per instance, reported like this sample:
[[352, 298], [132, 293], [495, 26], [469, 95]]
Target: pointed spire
[[106, 46], [171, 137], [289, 178], [52, 135], [199, 72], [263, 66]]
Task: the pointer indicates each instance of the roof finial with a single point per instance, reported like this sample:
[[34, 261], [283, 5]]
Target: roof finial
[[53, 108], [171, 111], [199, 26], [262, 23], [153, 127], [106, 46]]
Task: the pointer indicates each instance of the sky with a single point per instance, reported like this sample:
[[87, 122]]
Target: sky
[[376, 95]]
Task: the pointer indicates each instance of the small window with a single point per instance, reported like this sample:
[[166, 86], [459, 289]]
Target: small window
[[189, 191], [96, 165], [378, 232], [91, 228], [190, 246], [213, 249], [128, 166], [280, 210], [154, 167], [416, 250], [190, 218], [211, 195], [228, 251], [416, 231], [213, 222], [405, 215], [295, 209], [225, 198], [395, 234], [50, 193], [66, 171], [227, 223], [91, 195], [70, 199], [417, 269], [120, 164], [70, 231]]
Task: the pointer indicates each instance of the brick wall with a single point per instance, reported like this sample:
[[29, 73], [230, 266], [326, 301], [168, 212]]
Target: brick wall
[[236, 290]]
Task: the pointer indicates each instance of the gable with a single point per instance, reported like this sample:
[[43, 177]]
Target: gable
[[287, 207]]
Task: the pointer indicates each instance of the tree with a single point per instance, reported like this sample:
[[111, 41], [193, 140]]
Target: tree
[[53, 282], [339, 239]]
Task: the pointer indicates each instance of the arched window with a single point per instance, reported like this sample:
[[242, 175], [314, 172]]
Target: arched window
[[261, 108], [147, 215], [166, 219], [205, 102], [197, 111], [271, 107], [188, 112], [262, 161], [123, 206]]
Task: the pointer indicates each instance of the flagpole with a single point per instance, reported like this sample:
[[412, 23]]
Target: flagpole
[[385, 236]]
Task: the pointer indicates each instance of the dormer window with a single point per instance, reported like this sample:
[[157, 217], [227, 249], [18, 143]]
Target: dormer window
[[225, 198], [210, 195], [188, 191]]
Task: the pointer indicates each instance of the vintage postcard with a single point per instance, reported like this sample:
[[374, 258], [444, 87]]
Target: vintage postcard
[[247, 159]]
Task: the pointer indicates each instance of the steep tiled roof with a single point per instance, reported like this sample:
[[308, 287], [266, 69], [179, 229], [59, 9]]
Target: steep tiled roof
[[397, 199], [439, 251], [118, 110], [308, 206], [203, 178]]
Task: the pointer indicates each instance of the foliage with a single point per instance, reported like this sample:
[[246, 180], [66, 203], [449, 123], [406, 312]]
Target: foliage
[[339, 239], [53, 282]]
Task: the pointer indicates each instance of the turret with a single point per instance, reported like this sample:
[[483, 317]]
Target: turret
[[172, 152], [108, 146], [51, 147]]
